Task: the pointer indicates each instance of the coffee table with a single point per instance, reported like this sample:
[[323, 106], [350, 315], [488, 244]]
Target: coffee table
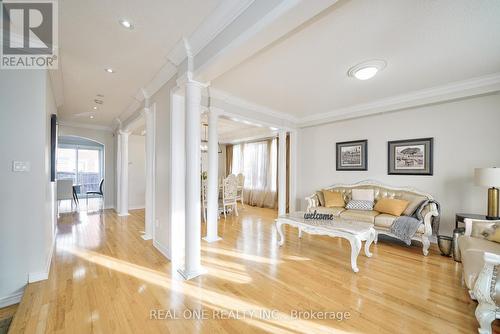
[[355, 232]]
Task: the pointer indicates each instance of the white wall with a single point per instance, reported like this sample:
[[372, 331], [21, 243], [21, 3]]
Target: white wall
[[107, 138], [136, 172], [466, 136], [26, 199], [162, 222]]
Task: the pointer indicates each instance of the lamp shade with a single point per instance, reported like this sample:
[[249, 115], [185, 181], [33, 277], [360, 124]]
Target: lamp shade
[[487, 177]]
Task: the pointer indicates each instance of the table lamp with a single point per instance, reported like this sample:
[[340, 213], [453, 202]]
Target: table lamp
[[489, 177]]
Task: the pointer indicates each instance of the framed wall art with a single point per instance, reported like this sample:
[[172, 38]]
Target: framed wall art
[[352, 155], [410, 157]]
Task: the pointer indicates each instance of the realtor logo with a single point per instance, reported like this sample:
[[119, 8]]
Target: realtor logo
[[29, 34]]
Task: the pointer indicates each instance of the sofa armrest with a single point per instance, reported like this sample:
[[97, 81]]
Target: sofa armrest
[[312, 202], [429, 212], [485, 291], [484, 288]]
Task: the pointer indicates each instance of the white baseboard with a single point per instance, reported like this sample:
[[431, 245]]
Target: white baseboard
[[43, 275], [161, 249], [137, 207], [12, 299]]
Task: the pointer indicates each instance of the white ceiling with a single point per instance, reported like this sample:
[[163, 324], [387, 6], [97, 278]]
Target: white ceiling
[[91, 40], [426, 43]]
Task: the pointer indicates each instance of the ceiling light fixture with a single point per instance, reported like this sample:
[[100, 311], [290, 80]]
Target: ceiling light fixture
[[367, 70], [126, 24], [94, 107], [110, 70], [91, 116]]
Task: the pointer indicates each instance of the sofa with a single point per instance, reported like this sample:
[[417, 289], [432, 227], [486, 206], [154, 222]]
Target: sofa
[[481, 263], [381, 221]]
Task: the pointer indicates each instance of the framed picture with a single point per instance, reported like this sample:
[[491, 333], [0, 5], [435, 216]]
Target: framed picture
[[352, 155], [410, 157]]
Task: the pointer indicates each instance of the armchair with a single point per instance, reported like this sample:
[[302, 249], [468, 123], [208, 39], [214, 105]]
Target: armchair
[[481, 263]]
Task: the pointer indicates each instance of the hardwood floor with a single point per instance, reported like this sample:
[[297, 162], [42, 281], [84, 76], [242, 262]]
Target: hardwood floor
[[106, 279]]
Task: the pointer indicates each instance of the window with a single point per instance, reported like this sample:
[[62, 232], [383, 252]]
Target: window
[[83, 164]]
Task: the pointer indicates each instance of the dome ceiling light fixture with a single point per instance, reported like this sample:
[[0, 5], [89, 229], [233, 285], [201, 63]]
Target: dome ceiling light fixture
[[126, 24], [367, 69]]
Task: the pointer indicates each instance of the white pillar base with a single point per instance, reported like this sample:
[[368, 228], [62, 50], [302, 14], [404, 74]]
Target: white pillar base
[[210, 240], [146, 237], [123, 214], [192, 274]]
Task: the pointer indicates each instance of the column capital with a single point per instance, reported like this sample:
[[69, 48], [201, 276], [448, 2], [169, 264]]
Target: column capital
[[123, 132]]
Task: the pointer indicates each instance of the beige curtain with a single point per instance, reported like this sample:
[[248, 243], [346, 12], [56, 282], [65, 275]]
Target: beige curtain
[[229, 159], [258, 163]]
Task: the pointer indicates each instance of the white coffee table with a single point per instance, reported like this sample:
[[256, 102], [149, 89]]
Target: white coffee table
[[355, 232]]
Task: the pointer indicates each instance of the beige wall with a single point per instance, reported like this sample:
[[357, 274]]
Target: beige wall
[[107, 138], [466, 136]]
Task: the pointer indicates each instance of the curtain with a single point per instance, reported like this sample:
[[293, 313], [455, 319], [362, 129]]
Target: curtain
[[258, 162], [229, 159]]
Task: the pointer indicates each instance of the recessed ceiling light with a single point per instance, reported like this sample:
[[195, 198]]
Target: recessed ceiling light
[[110, 70], [366, 70], [126, 24], [94, 107], [91, 116]]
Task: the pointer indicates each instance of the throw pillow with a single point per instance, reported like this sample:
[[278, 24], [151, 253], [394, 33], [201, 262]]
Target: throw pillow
[[363, 195], [414, 205], [493, 233], [391, 206], [360, 205], [333, 199], [321, 198]]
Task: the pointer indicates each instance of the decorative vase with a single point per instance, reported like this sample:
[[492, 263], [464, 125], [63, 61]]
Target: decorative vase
[[445, 244]]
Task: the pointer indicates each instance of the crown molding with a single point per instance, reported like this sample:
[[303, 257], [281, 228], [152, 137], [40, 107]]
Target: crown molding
[[85, 125], [254, 107], [482, 85]]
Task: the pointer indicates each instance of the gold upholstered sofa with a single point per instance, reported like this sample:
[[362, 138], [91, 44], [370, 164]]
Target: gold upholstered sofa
[[381, 221], [481, 263]]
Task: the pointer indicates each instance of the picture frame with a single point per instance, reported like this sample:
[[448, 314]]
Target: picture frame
[[410, 157], [352, 155]]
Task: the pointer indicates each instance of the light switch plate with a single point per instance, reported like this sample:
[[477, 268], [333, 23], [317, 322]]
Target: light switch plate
[[21, 166]]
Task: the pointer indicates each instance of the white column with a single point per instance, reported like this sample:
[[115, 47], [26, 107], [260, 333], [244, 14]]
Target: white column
[[192, 265], [150, 156], [123, 173], [282, 172], [213, 175]]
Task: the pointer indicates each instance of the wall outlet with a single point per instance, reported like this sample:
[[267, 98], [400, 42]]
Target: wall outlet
[[21, 166]]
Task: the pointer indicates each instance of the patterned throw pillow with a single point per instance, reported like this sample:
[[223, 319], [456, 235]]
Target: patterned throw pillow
[[360, 205]]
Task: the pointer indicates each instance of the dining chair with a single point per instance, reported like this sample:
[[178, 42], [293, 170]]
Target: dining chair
[[240, 178], [229, 191], [98, 193], [65, 191]]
